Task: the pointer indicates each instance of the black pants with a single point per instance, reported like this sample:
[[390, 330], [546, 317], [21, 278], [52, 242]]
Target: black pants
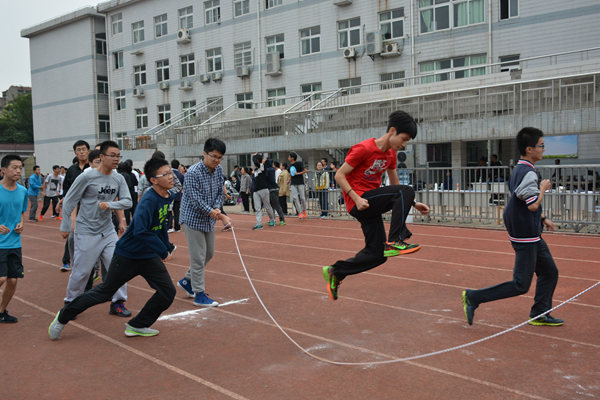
[[283, 204], [173, 216], [245, 202], [530, 258], [47, 200], [399, 199], [251, 195], [121, 271], [66, 255], [274, 200]]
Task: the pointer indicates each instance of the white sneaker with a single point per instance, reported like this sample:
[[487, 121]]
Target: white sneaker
[[131, 331], [171, 230], [55, 328]]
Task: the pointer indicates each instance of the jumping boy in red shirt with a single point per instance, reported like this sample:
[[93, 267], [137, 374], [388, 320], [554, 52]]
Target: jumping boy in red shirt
[[360, 179]]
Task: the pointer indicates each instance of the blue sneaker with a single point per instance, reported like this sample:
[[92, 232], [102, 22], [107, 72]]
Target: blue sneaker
[[187, 286], [271, 224], [256, 227], [203, 300], [66, 267]]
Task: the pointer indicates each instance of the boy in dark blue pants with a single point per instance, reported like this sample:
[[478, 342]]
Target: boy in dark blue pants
[[141, 251], [524, 221]]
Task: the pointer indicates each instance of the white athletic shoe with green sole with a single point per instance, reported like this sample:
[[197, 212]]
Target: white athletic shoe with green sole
[[55, 328], [131, 331]]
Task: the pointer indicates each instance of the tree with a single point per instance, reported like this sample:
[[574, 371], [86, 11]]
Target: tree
[[16, 121]]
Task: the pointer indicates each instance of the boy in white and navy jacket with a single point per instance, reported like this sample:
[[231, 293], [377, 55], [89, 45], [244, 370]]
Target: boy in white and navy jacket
[[524, 222]]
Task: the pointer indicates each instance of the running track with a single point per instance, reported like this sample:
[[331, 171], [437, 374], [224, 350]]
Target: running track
[[411, 305]]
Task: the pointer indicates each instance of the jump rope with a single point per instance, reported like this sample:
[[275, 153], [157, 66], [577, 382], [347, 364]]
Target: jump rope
[[396, 360]]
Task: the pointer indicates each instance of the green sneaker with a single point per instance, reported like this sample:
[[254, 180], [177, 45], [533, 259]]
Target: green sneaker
[[131, 331], [546, 320], [281, 223], [55, 328], [468, 308], [402, 247], [332, 282]]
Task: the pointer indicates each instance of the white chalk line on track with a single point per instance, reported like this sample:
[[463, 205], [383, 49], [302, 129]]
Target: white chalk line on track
[[398, 359], [189, 313]]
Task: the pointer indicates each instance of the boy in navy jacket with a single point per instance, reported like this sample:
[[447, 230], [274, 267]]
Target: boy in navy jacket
[[524, 222], [141, 251]]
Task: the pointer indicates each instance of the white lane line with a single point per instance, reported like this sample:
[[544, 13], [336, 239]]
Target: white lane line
[[184, 315]]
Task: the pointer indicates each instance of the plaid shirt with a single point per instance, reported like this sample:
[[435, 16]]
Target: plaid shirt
[[203, 192]]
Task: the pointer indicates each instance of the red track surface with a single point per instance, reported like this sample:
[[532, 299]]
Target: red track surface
[[410, 305]]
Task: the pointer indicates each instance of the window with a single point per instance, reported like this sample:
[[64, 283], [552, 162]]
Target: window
[[241, 7], [310, 40], [117, 23], [349, 33], [214, 61], [392, 76], [311, 88], [104, 123], [214, 104], [272, 3], [160, 25], [162, 70], [186, 18], [242, 54], [436, 15], [164, 114], [120, 99], [245, 160], [138, 31], [102, 82], [391, 24], [141, 118], [101, 43], [244, 100], [122, 140], [212, 11], [350, 82], [188, 66], [438, 153], [509, 9], [276, 97], [118, 59], [275, 43], [509, 63], [188, 108], [139, 75], [449, 65]]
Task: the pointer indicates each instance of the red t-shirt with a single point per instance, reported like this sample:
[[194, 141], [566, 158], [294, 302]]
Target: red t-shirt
[[369, 163]]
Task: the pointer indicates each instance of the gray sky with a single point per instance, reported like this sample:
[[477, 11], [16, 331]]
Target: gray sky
[[14, 50]]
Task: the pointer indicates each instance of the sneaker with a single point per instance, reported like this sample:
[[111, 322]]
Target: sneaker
[[96, 275], [271, 224], [119, 309], [59, 218], [131, 331], [178, 230], [332, 282], [227, 227], [300, 215], [66, 267], [547, 320], [52, 216], [402, 247], [173, 248], [203, 300], [323, 217], [468, 308], [7, 319], [305, 214], [169, 231], [41, 218], [32, 220], [187, 286], [55, 328], [256, 227], [282, 222]]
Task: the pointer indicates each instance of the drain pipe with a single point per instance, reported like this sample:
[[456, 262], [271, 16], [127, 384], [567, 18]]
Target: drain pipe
[[412, 41], [490, 59], [259, 50]]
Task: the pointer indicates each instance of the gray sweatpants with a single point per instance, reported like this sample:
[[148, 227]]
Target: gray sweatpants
[[33, 206], [88, 248], [201, 246], [297, 192], [261, 198]]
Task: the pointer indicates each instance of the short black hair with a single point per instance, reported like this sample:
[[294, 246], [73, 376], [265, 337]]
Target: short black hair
[[212, 144], [55, 167], [129, 162], [153, 165], [236, 166], [35, 167], [293, 155], [276, 163], [123, 167], [528, 137], [81, 143], [106, 145], [75, 160], [284, 165], [323, 158], [93, 155], [159, 154], [403, 123], [496, 155], [62, 166], [175, 163], [6, 160]]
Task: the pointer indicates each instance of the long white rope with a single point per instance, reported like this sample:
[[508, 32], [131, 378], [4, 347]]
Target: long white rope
[[462, 346]]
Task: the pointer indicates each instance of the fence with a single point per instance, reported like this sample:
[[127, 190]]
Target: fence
[[480, 194]]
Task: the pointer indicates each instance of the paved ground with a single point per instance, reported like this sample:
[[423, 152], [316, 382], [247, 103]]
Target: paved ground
[[408, 306]]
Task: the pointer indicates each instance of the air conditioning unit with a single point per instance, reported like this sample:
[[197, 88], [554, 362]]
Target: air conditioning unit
[[183, 36], [374, 43], [273, 63], [205, 78], [185, 85], [406, 157], [164, 85], [138, 92], [349, 53], [242, 71], [391, 50], [216, 76], [137, 52], [342, 2]]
